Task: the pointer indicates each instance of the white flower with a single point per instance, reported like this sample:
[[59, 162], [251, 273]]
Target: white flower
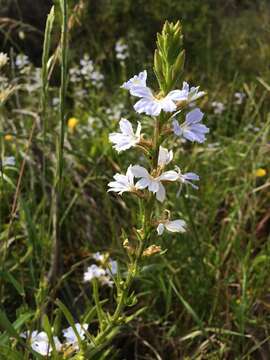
[[127, 138], [21, 61], [137, 80], [187, 177], [3, 59], [8, 161], [112, 267], [151, 105], [98, 257], [123, 183], [40, 342], [164, 156], [87, 66], [192, 129], [154, 184], [98, 272], [71, 337], [172, 226], [96, 77], [193, 93], [218, 107], [93, 272], [121, 50], [239, 97], [55, 101], [74, 74]]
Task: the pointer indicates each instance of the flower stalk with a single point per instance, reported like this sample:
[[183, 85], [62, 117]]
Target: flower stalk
[[161, 109]]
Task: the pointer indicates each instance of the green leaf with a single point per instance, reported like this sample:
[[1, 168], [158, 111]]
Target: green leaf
[[189, 308], [10, 278], [69, 318]]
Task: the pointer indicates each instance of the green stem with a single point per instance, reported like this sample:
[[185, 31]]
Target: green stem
[[132, 273], [156, 142], [56, 247]]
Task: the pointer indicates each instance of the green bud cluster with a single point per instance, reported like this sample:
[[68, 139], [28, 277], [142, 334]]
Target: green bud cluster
[[169, 56]]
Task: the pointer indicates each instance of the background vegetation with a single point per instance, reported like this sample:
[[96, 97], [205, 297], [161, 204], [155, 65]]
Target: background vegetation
[[208, 297]]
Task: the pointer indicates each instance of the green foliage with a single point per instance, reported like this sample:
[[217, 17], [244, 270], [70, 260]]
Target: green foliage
[[207, 297]]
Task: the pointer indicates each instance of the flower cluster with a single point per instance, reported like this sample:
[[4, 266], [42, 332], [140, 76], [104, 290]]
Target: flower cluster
[[218, 107], [39, 341], [104, 272], [138, 179], [22, 61], [121, 49], [86, 71]]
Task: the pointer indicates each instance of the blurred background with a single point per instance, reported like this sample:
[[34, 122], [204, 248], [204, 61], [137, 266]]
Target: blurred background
[[211, 289], [223, 38]]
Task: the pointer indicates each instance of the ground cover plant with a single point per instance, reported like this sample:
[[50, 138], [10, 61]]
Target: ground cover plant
[[135, 208]]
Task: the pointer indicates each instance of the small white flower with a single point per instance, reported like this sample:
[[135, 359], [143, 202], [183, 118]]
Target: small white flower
[[87, 66], [121, 50], [218, 107], [164, 157], [98, 257], [127, 138], [137, 80], [239, 97], [21, 61], [123, 183], [93, 272], [74, 74], [96, 77], [154, 184], [187, 177], [192, 129], [192, 94], [39, 342], [9, 161], [71, 337], [172, 226], [3, 59], [55, 101], [112, 267]]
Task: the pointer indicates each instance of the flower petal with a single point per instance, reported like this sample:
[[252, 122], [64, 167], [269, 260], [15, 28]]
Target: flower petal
[[161, 193], [177, 128], [164, 156], [139, 171], [160, 229], [167, 104], [178, 95], [126, 127], [142, 183], [176, 226], [194, 116], [141, 91], [170, 175]]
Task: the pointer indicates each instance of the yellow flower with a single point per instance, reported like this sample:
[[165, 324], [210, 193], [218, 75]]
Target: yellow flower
[[72, 124], [260, 172], [8, 137]]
